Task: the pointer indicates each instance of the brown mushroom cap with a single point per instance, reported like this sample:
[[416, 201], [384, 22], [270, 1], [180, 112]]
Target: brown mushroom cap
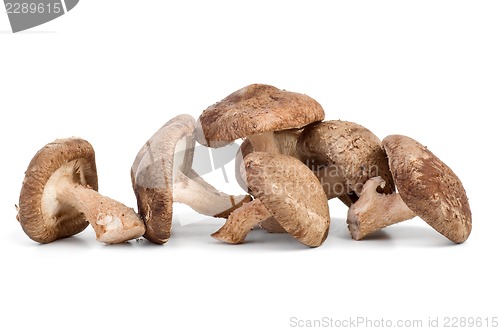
[[291, 193], [354, 151], [429, 187], [152, 175], [255, 109], [42, 217]]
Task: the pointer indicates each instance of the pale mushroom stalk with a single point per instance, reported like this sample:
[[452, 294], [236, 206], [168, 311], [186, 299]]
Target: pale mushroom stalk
[[203, 198], [281, 142], [241, 221], [286, 140], [374, 211], [264, 142], [113, 222]]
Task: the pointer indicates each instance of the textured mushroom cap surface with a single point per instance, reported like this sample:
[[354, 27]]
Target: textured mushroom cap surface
[[255, 109], [152, 175], [42, 217], [354, 151], [429, 187], [291, 193]]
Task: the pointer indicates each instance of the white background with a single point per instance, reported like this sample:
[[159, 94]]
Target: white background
[[113, 72]]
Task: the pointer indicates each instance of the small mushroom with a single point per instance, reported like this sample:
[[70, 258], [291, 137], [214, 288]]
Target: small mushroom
[[285, 189], [162, 174], [344, 155], [59, 197], [427, 188], [258, 111]]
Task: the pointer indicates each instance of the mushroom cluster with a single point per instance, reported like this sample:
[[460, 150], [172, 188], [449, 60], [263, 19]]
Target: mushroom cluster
[[291, 162]]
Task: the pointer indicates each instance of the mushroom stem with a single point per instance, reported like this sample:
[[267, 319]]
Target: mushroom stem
[[241, 221], [286, 141], [112, 221], [193, 191], [282, 142], [264, 142], [374, 211]]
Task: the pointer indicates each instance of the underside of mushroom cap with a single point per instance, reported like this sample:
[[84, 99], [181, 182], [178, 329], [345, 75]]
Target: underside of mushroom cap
[[350, 149], [152, 175], [291, 193], [429, 187], [42, 217], [255, 109]]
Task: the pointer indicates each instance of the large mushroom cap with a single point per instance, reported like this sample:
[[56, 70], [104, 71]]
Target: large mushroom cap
[[291, 193], [153, 172], [350, 149], [255, 109], [429, 187], [42, 217]]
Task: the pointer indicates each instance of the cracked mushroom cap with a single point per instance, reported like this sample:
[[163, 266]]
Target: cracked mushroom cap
[[429, 187], [153, 172], [291, 193], [354, 152], [255, 109], [43, 218]]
